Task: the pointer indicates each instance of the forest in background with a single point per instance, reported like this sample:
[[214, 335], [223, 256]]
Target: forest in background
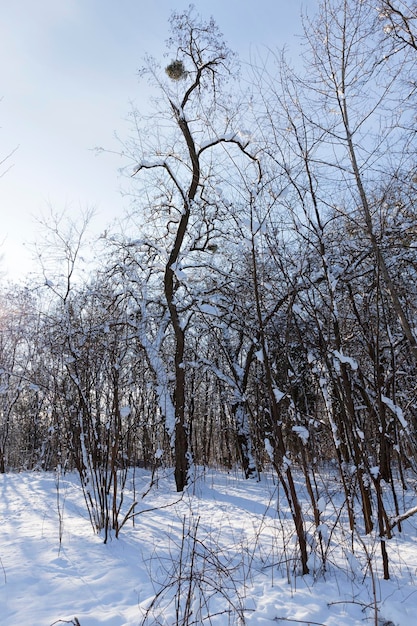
[[257, 306]]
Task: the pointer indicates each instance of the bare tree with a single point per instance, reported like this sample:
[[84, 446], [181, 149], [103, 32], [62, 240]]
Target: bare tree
[[184, 173]]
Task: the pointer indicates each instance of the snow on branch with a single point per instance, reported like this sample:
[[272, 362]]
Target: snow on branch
[[345, 359], [401, 518], [241, 139], [396, 410], [148, 165]]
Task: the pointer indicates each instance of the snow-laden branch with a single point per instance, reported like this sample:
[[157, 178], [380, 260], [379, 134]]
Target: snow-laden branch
[[401, 518], [243, 137], [147, 165], [397, 410], [240, 139]]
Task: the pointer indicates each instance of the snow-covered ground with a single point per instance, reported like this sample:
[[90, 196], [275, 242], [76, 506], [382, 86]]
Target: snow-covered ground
[[221, 551]]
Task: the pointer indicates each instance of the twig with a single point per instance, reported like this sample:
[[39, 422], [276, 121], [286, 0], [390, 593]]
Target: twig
[[4, 571], [154, 508]]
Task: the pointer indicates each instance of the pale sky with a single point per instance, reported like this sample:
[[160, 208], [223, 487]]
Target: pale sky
[[68, 73]]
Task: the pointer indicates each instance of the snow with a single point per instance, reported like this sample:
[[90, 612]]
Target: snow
[[235, 534], [397, 410], [278, 395], [321, 504], [302, 432], [243, 136], [259, 355], [209, 309], [374, 471], [345, 359], [179, 273], [125, 411]]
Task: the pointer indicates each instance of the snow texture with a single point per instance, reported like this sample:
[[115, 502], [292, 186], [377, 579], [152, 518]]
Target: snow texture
[[243, 559]]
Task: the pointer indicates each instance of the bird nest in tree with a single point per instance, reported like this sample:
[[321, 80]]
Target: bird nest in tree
[[176, 70]]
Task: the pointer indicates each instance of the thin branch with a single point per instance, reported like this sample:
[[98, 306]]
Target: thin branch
[[401, 518]]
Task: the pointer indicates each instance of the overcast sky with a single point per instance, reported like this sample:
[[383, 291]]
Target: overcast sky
[[68, 73]]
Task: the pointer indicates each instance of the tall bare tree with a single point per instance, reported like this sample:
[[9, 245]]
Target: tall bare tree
[[184, 170]]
